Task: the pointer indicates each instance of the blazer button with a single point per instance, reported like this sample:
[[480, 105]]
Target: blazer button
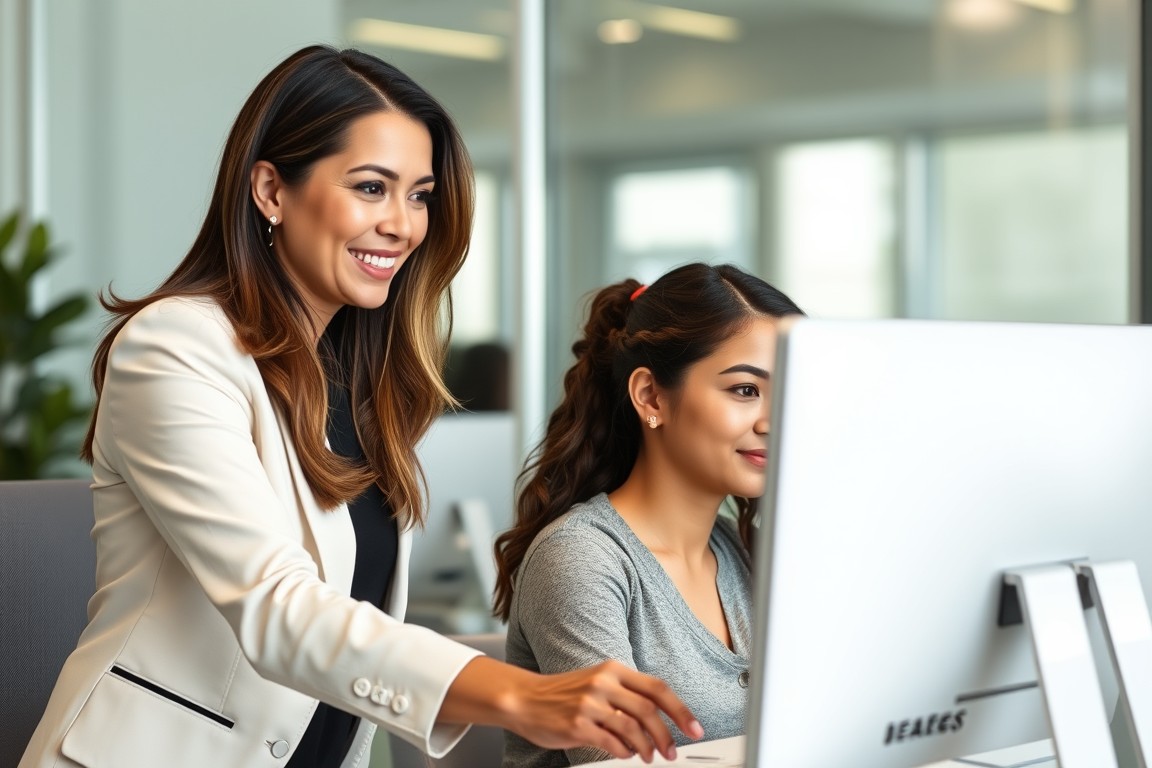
[[742, 679], [362, 687], [381, 695], [278, 748], [399, 704]]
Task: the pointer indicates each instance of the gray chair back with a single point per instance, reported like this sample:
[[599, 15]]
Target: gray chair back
[[47, 575]]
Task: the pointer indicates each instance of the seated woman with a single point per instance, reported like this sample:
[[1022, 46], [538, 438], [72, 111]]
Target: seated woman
[[619, 550]]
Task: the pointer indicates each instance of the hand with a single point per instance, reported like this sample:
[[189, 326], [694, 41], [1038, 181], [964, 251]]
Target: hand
[[608, 706]]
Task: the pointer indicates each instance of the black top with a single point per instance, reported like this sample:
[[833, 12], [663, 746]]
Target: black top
[[329, 734]]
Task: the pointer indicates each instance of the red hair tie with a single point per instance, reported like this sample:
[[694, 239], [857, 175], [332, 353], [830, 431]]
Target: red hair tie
[[636, 293]]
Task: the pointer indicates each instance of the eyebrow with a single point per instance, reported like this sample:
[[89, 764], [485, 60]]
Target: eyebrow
[[388, 173], [745, 368]]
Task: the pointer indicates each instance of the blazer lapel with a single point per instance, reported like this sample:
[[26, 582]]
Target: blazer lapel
[[331, 530]]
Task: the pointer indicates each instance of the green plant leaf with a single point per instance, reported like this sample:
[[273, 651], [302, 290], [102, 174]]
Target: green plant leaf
[[38, 413], [31, 393], [56, 410], [13, 461], [36, 251], [40, 336], [64, 311], [38, 445], [8, 231], [13, 291]]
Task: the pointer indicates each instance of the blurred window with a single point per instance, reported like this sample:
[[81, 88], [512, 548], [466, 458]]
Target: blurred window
[[835, 227], [663, 218]]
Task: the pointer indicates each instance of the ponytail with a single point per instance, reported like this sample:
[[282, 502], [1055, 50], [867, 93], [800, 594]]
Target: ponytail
[[591, 443]]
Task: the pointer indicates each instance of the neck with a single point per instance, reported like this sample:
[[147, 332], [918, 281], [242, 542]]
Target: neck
[[668, 514]]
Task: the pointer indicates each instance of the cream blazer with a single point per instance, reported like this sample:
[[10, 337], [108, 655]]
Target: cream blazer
[[222, 609]]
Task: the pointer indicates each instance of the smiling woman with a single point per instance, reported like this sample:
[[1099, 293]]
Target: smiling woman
[[345, 232], [255, 478], [618, 551]]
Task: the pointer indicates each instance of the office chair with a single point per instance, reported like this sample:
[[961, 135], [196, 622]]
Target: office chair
[[47, 574], [481, 747]]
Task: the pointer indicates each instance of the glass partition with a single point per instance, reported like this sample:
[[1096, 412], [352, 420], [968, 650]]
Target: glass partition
[[923, 158]]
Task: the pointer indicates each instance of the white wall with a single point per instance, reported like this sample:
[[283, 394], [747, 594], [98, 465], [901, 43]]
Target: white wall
[[140, 97], [12, 113]]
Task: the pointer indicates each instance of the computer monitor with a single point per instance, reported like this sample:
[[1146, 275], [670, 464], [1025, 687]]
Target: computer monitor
[[912, 463], [470, 462]]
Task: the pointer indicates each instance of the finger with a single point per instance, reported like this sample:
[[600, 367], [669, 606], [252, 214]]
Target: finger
[[644, 715], [630, 732], [611, 744], [659, 694]]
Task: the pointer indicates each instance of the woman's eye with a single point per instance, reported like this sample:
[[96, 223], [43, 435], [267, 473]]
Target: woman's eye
[[371, 187], [747, 390], [423, 196]]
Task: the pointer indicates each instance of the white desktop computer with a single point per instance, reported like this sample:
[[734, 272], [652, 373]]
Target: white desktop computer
[[924, 475], [470, 463]]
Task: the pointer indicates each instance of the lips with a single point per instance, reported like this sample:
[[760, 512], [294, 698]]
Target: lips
[[378, 259], [757, 457]]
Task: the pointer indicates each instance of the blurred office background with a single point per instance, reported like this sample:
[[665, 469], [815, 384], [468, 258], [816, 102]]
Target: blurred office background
[[926, 158], [962, 159]]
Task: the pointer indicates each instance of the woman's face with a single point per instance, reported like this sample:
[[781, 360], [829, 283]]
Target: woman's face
[[716, 431], [351, 225]]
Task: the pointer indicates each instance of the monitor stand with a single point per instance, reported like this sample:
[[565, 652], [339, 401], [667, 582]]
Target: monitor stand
[[475, 521], [1127, 628], [1050, 601]]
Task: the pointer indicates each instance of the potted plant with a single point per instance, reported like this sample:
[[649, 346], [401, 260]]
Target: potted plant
[[39, 415]]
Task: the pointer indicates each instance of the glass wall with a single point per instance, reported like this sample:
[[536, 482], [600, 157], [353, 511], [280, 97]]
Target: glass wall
[[462, 52], [923, 158], [959, 159]]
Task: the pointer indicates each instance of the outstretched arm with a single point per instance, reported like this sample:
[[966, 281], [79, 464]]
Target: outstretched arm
[[608, 706]]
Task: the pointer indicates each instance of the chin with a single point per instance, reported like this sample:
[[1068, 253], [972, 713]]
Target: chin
[[370, 302], [750, 493]]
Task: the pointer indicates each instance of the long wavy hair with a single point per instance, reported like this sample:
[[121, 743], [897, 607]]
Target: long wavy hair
[[299, 114], [594, 435]]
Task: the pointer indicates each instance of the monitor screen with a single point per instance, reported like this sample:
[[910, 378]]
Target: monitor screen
[[470, 462], [911, 464]]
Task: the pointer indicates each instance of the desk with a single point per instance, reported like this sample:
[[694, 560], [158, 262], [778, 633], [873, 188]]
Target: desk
[[729, 753]]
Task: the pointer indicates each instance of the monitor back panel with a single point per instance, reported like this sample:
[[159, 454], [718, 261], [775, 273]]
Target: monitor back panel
[[912, 462]]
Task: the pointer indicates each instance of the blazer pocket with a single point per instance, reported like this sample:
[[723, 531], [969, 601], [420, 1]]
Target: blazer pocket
[[129, 721]]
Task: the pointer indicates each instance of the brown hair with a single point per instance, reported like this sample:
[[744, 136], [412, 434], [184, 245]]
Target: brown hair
[[594, 435], [298, 114]]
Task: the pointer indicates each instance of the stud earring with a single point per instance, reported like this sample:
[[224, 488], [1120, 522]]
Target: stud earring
[[271, 222], [652, 422]]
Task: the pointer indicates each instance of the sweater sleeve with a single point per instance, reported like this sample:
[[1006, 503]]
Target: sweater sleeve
[[572, 604]]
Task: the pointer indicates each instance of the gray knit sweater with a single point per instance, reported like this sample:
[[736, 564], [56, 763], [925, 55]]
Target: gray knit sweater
[[589, 590]]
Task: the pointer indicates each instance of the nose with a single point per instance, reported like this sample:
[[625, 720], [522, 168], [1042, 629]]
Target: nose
[[763, 420], [395, 219]]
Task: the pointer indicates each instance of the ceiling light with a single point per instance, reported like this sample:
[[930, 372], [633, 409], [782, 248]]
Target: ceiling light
[[616, 31], [680, 21], [1055, 6], [984, 15], [435, 40]]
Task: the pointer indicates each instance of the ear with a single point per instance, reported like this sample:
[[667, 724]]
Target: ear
[[267, 189], [645, 395]]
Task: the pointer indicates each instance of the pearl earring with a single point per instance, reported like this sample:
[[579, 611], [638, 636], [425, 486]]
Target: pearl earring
[[271, 221], [652, 422]]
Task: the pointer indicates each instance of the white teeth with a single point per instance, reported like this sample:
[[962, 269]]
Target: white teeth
[[383, 262]]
